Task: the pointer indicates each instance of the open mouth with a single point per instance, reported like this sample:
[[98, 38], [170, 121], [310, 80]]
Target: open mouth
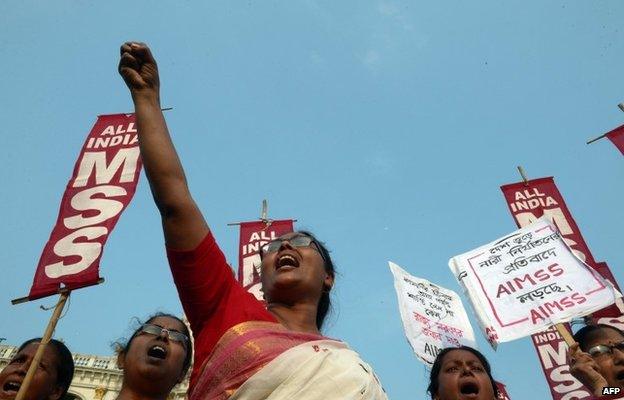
[[157, 351], [286, 260], [620, 375], [11, 386], [469, 389]]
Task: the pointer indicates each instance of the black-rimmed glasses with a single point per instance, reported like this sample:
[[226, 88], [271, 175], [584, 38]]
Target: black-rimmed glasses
[[295, 241], [156, 330]]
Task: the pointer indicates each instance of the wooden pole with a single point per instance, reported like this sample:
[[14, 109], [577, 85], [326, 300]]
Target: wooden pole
[[44, 341], [594, 139], [523, 175], [27, 298], [565, 334], [264, 215], [590, 141]]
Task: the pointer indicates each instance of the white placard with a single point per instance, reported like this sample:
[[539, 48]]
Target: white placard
[[527, 281], [433, 317]]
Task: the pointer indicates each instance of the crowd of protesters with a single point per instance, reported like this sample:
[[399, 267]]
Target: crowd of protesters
[[244, 348]]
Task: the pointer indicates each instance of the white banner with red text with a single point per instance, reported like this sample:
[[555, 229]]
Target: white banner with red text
[[433, 317], [527, 281], [528, 201]]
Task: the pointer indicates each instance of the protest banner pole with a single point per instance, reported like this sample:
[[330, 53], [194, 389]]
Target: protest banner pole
[[264, 215], [595, 139], [127, 113], [25, 299], [621, 107], [44, 341], [523, 175], [565, 334]]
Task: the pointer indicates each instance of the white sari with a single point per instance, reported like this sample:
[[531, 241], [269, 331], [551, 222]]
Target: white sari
[[317, 370]]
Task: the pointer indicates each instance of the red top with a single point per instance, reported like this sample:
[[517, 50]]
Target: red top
[[212, 298]]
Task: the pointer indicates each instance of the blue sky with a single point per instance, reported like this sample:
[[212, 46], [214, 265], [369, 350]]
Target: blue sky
[[386, 127]]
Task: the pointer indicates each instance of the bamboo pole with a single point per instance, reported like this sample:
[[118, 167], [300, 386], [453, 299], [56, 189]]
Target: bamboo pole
[[595, 139], [565, 334], [42, 345], [264, 215], [59, 291], [523, 175], [590, 141]]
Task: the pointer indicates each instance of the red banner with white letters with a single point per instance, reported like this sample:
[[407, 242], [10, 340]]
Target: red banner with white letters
[[502, 391], [616, 136], [613, 311], [254, 235], [528, 202], [101, 187]]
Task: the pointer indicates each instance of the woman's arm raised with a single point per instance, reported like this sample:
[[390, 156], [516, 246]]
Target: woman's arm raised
[[183, 224]]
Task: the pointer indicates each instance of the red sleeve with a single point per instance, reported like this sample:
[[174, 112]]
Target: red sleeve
[[211, 297]]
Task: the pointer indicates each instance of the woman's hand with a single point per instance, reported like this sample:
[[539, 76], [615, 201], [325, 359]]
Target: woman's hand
[[138, 69], [584, 368], [183, 224]]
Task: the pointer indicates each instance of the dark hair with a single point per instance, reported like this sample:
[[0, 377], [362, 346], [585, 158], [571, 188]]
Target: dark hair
[[123, 348], [64, 362], [584, 335], [324, 305], [434, 384]]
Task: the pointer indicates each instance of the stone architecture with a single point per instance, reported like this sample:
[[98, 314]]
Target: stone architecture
[[95, 378]]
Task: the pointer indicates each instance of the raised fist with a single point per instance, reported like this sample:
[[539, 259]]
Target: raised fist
[[138, 69]]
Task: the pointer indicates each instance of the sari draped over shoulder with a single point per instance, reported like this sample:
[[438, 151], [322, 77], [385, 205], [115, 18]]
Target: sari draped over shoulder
[[263, 360], [241, 352]]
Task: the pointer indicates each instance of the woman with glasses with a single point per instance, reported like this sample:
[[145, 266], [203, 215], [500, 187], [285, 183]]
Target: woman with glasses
[[155, 359], [597, 357], [244, 349]]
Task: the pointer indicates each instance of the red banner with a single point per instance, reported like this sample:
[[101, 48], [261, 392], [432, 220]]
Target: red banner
[[254, 235], [102, 185], [502, 392], [617, 137], [528, 202], [612, 311], [552, 351]]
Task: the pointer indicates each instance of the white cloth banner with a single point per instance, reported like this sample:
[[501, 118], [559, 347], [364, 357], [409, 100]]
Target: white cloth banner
[[433, 317], [527, 281]]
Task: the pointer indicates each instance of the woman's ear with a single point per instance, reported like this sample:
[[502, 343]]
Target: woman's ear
[[121, 359], [328, 282], [56, 393]]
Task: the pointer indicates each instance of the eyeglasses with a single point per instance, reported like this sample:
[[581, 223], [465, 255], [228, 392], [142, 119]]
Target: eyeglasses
[[158, 330], [295, 241], [605, 349]]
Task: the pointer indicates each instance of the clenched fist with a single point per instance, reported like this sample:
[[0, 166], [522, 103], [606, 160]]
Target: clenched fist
[[138, 69]]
